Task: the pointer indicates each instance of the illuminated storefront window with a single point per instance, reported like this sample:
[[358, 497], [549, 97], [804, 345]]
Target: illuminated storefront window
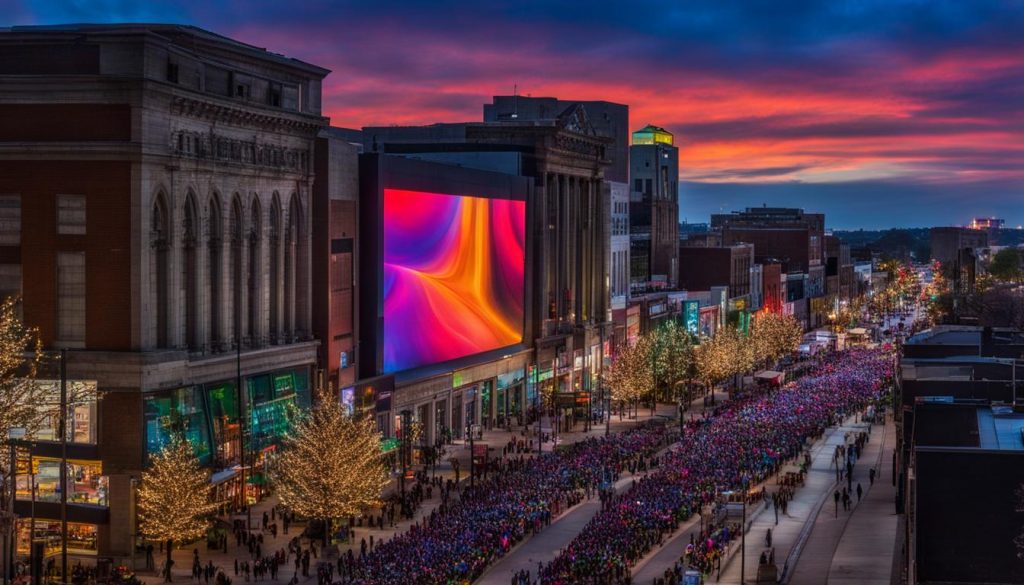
[[179, 410], [274, 401], [82, 407], [81, 537], [86, 482]]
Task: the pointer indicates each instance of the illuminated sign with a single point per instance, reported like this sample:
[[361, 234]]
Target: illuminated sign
[[453, 276], [691, 316]]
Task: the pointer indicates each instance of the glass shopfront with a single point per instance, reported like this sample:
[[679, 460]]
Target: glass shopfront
[[86, 482], [81, 537], [208, 415], [82, 403], [180, 410]]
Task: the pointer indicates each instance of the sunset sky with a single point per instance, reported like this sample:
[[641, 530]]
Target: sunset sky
[[878, 113]]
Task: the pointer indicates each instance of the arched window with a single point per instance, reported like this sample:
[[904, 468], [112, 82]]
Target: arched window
[[237, 281], [189, 276], [160, 241], [275, 269], [215, 267], [255, 274], [289, 254]]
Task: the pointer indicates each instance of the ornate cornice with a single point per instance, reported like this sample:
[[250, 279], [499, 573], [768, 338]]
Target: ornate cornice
[[236, 116]]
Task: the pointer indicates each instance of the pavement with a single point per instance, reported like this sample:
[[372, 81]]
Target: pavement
[[855, 546]]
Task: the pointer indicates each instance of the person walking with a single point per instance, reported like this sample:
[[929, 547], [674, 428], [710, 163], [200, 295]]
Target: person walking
[[860, 491], [835, 496]]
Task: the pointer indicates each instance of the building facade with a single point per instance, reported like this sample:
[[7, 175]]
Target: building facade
[[157, 183], [702, 268], [654, 205], [568, 323]]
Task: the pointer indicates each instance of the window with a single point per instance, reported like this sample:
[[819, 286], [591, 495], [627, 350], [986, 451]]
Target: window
[[10, 280], [172, 71], [71, 298], [71, 214], [10, 220], [638, 185], [274, 95]]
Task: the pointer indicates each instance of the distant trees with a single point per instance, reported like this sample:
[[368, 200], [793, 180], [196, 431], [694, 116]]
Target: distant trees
[[1006, 265]]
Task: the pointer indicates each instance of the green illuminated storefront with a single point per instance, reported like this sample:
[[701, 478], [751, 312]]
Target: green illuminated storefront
[[207, 414]]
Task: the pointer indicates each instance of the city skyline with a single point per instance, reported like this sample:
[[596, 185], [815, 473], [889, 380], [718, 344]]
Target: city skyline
[[835, 108]]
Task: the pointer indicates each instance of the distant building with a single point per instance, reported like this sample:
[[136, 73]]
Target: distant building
[[703, 268], [791, 236], [619, 250], [701, 240], [958, 250], [947, 242], [991, 225], [654, 204]]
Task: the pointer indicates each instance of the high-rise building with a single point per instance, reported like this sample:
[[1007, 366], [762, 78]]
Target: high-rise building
[[654, 207], [156, 188]]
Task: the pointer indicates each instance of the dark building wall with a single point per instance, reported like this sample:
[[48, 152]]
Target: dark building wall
[[966, 518], [334, 258], [789, 247], [106, 243], [703, 268], [946, 242]]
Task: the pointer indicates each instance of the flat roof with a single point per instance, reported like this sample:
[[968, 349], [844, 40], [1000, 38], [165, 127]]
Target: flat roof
[[999, 428]]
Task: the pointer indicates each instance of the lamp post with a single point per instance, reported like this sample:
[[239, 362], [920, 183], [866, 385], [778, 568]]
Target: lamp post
[[62, 427]]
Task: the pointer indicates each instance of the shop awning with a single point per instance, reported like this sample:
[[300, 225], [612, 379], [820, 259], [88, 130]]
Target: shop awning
[[858, 331], [769, 376], [389, 445]]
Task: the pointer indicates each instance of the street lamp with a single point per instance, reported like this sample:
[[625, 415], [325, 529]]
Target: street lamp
[[743, 532]]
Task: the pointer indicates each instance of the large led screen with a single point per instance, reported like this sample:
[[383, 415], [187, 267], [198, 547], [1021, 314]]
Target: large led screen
[[453, 276]]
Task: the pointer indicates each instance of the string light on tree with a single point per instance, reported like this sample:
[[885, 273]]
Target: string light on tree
[[174, 496], [331, 465]]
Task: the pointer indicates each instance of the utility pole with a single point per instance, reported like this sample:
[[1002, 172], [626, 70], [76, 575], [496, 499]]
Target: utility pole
[[242, 443], [62, 426]]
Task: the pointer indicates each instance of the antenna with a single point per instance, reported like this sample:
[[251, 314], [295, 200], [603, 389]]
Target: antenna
[[515, 101]]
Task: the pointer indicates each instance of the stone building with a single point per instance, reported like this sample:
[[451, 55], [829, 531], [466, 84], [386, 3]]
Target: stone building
[[155, 185], [569, 322]]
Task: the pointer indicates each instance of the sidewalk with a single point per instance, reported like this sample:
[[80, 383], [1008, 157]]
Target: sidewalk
[[814, 562], [867, 548]]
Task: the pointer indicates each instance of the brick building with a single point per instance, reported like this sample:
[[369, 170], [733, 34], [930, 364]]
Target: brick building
[[702, 268], [156, 184]]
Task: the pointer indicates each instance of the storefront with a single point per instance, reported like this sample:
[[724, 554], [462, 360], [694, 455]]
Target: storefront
[[82, 538], [208, 416]]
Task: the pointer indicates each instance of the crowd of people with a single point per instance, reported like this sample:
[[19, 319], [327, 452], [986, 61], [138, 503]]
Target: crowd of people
[[743, 442], [461, 537]]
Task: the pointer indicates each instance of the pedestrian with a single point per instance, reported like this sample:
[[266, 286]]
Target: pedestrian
[[871, 476], [859, 492], [835, 497]]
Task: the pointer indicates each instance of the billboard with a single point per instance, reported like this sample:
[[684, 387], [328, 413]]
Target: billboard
[[453, 276]]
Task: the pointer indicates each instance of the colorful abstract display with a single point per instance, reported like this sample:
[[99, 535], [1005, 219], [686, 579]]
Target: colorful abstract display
[[453, 276]]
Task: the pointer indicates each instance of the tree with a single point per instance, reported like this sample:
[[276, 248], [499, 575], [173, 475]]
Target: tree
[[673, 355], [174, 497], [1006, 265], [331, 465], [21, 355], [774, 337], [631, 375]]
